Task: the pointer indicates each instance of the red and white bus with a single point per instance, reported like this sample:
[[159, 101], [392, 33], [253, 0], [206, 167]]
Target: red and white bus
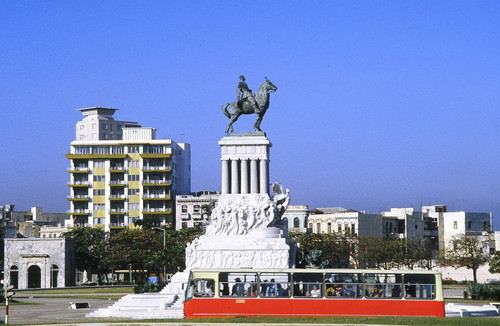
[[313, 293]]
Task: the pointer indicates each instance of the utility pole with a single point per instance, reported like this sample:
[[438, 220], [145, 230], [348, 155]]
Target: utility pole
[[8, 294], [164, 267]]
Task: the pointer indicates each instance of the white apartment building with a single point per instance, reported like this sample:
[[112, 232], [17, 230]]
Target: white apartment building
[[189, 208], [345, 222], [120, 173]]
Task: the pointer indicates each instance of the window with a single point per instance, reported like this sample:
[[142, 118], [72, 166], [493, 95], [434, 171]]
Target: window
[[133, 206], [99, 164], [296, 222], [104, 126], [93, 126], [133, 192], [100, 149], [343, 285], [184, 209], [99, 178], [329, 227], [117, 149], [419, 286], [133, 164], [383, 285], [455, 225], [339, 228], [119, 127], [82, 150], [275, 284], [99, 192], [184, 225], [469, 225], [133, 149], [133, 177], [197, 209], [238, 284], [204, 287], [82, 137], [308, 285], [99, 207], [81, 127]]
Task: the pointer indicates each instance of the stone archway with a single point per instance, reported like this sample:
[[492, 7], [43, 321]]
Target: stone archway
[[34, 277]]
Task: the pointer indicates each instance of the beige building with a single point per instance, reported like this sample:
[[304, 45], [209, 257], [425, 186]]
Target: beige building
[[189, 208]]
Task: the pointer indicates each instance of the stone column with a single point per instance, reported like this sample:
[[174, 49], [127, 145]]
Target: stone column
[[264, 179], [225, 177], [234, 177], [244, 176], [254, 175]]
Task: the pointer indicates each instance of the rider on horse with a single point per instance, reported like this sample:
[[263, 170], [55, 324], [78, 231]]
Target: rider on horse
[[245, 93]]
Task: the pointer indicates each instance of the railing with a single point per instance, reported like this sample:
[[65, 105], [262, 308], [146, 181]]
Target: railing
[[79, 211], [117, 196], [157, 181], [79, 183], [157, 167], [117, 210], [117, 182], [155, 210], [156, 196], [79, 197], [79, 168], [116, 168], [116, 224]]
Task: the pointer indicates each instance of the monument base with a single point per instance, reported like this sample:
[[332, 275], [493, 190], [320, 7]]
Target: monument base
[[266, 248]]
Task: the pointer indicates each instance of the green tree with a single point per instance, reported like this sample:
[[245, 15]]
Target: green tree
[[334, 248], [495, 263], [90, 249], [133, 247], [467, 251]]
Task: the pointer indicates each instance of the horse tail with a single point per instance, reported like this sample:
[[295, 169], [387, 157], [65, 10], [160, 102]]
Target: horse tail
[[225, 111]]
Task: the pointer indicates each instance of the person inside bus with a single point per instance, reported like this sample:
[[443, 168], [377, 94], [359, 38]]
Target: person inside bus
[[396, 291], [209, 289], [315, 292], [238, 288], [263, 288], [347, 290], [376, 292], [272, 289], [330, 290]]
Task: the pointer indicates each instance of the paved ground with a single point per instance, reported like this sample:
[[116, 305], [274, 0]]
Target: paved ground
[[51, 310]]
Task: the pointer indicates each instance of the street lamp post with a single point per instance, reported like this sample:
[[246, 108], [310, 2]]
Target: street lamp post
[[164, 268]]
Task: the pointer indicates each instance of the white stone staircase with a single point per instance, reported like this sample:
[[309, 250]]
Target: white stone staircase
[[167, 304]]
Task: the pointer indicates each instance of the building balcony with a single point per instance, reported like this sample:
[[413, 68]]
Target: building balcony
[[78, 212], [156, 196], [79, 184], [79, 169], [156, 182], [156, 168], [117, 197], [197, 216], [157, 211], [115, 169], [79, 198], [163, 153], [117, 183], [114, 211], [185, 216], [72, 156]]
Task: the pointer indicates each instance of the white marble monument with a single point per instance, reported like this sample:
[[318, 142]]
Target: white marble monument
[[245, 228]]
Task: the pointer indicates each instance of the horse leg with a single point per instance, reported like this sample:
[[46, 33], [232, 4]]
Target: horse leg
[[230, 125], [256, 126]]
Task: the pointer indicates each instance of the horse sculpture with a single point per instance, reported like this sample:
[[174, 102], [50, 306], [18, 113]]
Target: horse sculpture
[[245, 107]]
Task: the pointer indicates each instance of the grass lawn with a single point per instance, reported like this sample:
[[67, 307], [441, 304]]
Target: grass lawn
[[73, 291]]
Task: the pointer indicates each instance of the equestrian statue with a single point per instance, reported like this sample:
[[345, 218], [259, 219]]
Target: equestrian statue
[[248, 103]]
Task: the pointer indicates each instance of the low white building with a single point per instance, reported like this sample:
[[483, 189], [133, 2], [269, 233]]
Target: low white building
[[296, 217], [189, 208], [345, 222], [39, 263]]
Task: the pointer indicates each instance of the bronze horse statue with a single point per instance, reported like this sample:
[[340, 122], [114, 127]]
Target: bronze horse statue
[[245, 107]]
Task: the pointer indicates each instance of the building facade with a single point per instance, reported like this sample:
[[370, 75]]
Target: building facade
[[120, 173], [39, 263], [189, 209], [296, 218]]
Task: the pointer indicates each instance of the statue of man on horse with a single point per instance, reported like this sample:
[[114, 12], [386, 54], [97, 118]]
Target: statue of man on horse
[[248, 103]]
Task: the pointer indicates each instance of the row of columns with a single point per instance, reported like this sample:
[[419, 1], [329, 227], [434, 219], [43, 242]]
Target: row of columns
[[237, 179]]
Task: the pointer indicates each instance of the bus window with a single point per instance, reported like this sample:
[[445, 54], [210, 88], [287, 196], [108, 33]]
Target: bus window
[[204, 288], [343, 285], [382, 285], [308, 285], [420, 286], [274, 284], [238, 284]]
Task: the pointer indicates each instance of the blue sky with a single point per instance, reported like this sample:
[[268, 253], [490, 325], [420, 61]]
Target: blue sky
[[380, 103]]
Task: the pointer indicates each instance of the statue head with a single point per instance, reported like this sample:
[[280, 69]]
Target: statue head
[[242, 77]]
